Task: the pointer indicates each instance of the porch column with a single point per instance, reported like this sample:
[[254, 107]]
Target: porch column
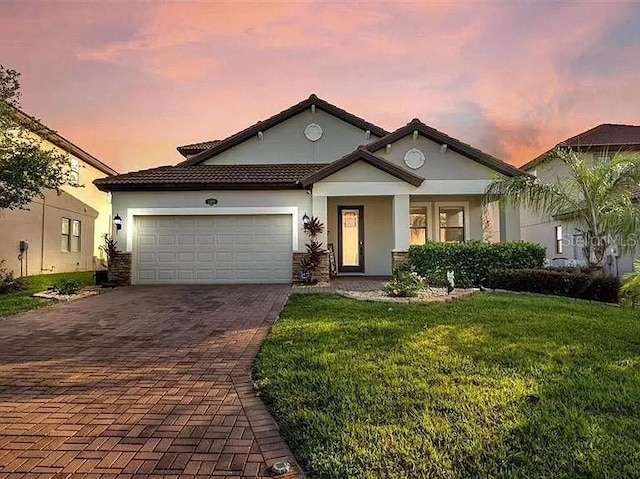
[[400, 222], [319, 210]]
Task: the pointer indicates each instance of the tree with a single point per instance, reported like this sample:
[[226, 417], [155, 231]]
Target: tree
[[27, 168], [597, 195]]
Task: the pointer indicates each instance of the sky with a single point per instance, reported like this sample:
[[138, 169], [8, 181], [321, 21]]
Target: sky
[[128, 81]]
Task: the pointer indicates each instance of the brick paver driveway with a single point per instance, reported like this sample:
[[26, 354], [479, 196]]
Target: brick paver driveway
[[141, 381]]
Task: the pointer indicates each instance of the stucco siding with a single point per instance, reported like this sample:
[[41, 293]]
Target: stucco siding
[[378, 230], [88, 194], [437, 166], [286, 143], [361, 172], [41, 225]]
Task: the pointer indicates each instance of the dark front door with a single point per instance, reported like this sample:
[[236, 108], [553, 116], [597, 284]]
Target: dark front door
[[351, 239]]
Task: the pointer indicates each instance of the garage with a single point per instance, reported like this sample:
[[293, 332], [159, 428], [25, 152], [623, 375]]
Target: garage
[[212, 249]]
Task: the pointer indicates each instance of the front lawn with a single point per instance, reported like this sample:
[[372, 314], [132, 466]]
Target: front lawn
[[23, 301], [491, 386]]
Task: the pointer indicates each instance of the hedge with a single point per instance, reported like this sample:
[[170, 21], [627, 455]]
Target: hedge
[[574, 284], [471, 262]]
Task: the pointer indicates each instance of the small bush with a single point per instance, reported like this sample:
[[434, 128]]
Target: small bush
[[8, 282], [405, 284], [471, 262], [560, 283], [68, 286], [630, 290]]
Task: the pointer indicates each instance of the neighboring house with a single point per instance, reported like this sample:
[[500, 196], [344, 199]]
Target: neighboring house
[[233, 210], [63, 231], [560, 236]]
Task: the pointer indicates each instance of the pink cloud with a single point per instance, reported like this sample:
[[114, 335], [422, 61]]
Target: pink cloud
[[129, 86]]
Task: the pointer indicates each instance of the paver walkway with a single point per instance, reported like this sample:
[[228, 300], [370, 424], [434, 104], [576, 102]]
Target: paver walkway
[[139, 382]]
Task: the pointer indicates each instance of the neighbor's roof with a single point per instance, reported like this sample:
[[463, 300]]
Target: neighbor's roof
[[62, 143], [608, 135], [253, 130], [195, 148], [219, 177], [452, 144]]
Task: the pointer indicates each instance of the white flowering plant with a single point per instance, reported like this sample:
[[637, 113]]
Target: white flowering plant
[[405, 284]]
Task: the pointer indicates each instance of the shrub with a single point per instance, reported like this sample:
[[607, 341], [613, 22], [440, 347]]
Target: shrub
[[471, 262], [574, 284], [8, 282], [630, 290], [405, 284], [68, 286]]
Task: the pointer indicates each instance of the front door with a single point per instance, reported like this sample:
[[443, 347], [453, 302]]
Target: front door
[[351, 239]]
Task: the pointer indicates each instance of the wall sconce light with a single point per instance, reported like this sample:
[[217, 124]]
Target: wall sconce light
[[118, 222], [306, 219]]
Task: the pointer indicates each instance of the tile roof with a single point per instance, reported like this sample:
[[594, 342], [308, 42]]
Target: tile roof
[[58, 140], [201, 177], [452, 144], [253, 130], [608, 135], [195, 148]]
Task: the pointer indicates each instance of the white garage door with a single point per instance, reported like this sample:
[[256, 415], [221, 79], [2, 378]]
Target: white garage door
[[212, 249]]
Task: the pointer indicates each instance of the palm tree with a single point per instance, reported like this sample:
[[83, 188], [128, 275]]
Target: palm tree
[[600, 196]]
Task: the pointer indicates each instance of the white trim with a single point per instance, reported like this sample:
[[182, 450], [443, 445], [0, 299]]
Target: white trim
[[465, 206], [428, 207], [363, 188], [452, 187], [399, 187], [214, 211]]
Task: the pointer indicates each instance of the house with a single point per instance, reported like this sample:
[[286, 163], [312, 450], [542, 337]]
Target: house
[[559, 235], [232, 210], [61, 232]]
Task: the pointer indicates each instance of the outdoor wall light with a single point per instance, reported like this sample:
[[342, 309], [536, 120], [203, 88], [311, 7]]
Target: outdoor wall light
[[306, 219], [118, 222]]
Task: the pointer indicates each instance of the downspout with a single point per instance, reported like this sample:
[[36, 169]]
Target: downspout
[[44, 204]]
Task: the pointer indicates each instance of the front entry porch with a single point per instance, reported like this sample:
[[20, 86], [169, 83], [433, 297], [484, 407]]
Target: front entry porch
[[368, 235]]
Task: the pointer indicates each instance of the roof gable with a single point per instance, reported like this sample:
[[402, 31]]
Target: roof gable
[[262, 126], [361, 154], [454, 144]]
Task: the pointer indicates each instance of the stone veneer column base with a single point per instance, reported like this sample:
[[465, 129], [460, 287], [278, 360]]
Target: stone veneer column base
[[321, 275], [399, 258], [120, 269]]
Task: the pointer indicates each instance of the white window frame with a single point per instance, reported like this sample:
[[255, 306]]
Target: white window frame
[[460, 204], [559, 249], [427, 205], [74, 171]]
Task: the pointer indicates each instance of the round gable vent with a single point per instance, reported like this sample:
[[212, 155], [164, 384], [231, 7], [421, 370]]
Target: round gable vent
[[414, 158], [313, 132]]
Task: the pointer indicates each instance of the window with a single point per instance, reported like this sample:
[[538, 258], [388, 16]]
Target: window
[[74, 172], [558, 239], [71, 230], [418, 225], [75, 236], [66, 234], [451, 223]]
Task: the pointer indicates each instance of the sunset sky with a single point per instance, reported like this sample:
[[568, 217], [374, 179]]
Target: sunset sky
[[129, 81]]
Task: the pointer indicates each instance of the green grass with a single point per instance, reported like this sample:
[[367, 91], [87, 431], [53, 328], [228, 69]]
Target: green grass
[[23, 301], [492, 386]]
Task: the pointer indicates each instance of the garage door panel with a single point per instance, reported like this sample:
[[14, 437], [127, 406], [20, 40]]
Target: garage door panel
[[213, 249]]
